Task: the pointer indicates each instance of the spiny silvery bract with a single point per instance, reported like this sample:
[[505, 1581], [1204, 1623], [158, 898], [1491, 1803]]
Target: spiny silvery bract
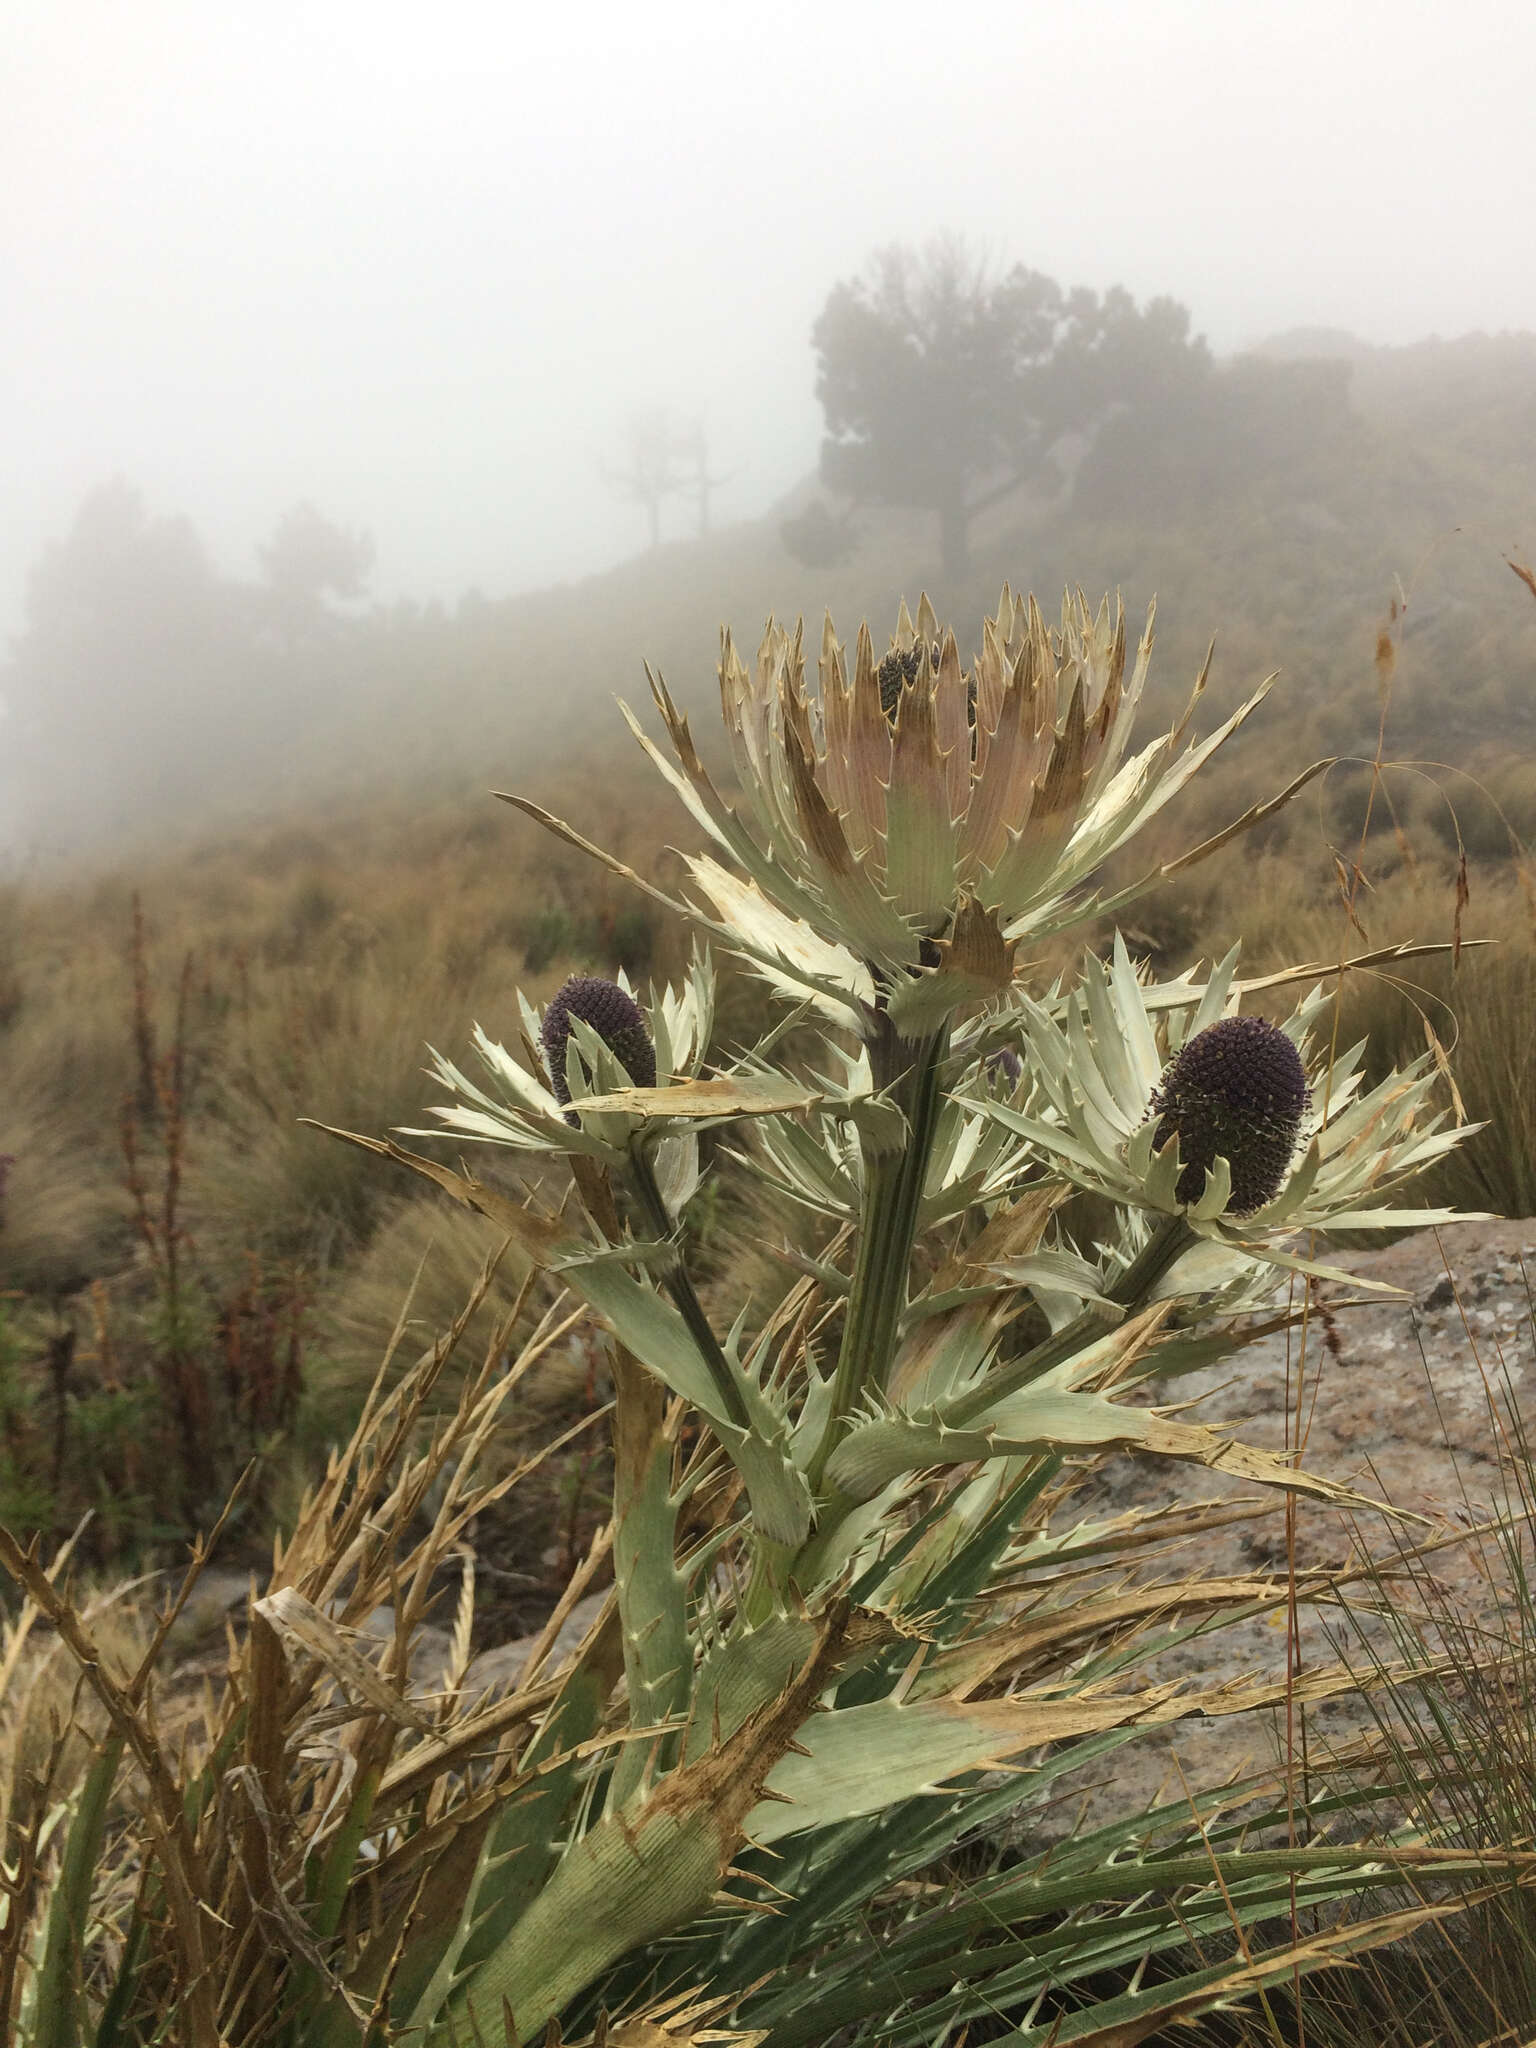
[[904, 666], [1100, 1057], [820, 1160], [616, 1018], [618, 1045], [905, 825], [1236, 1091]]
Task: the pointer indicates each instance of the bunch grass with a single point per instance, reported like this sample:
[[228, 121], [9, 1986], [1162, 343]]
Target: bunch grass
[[1455, 1750]]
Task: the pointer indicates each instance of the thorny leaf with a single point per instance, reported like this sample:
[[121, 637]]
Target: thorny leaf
[[730, 1095]]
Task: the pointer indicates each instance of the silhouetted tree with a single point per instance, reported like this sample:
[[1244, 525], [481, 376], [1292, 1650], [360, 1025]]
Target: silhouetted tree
[[143, 681], [308, 559], [945, 388], [665, 460], [112, 662], [652, 468], [699, 481]]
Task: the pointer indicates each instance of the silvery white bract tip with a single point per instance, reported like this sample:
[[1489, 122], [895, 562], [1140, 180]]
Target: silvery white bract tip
[[819, 1160], [1103, 1056], [529, 1109], [909, 823]]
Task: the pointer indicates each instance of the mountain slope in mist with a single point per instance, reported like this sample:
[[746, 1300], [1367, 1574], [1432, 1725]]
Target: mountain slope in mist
[[1287, 505]]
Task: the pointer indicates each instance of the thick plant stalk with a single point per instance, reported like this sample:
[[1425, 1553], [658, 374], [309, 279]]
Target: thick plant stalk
[[521, 1843], [634, 1877], [1169, 1241], [893, 1193], [894, 1179], [658, 1661], [679, 1284]]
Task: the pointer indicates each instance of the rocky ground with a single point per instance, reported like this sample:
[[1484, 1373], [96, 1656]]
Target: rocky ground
[[1408, 1398]]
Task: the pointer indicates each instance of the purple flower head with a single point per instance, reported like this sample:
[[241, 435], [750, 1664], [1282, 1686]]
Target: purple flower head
[[1237, 1090], [616, 1018], [900, 670]]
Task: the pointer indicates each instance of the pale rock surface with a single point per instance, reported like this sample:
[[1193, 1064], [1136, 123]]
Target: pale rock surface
[[496, 1669], [1400, 1393]]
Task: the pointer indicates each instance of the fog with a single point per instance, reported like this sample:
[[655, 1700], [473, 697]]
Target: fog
[[419, 265]]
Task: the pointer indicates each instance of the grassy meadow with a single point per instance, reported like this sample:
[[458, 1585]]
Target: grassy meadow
[[169, 1218]]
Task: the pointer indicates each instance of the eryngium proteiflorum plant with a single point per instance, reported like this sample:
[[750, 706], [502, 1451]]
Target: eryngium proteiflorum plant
[[854, 1616]]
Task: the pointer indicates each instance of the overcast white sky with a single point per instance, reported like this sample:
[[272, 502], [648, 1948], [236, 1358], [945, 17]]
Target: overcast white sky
[[417, 262]]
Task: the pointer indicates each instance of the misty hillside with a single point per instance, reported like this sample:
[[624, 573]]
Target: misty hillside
[[1281, 500]]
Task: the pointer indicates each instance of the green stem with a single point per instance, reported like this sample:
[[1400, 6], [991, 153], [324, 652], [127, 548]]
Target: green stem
[[1172, 1237], [1168, 1243], [652, 1609], [877, 1294], [679, 1284], [893, 1194]]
